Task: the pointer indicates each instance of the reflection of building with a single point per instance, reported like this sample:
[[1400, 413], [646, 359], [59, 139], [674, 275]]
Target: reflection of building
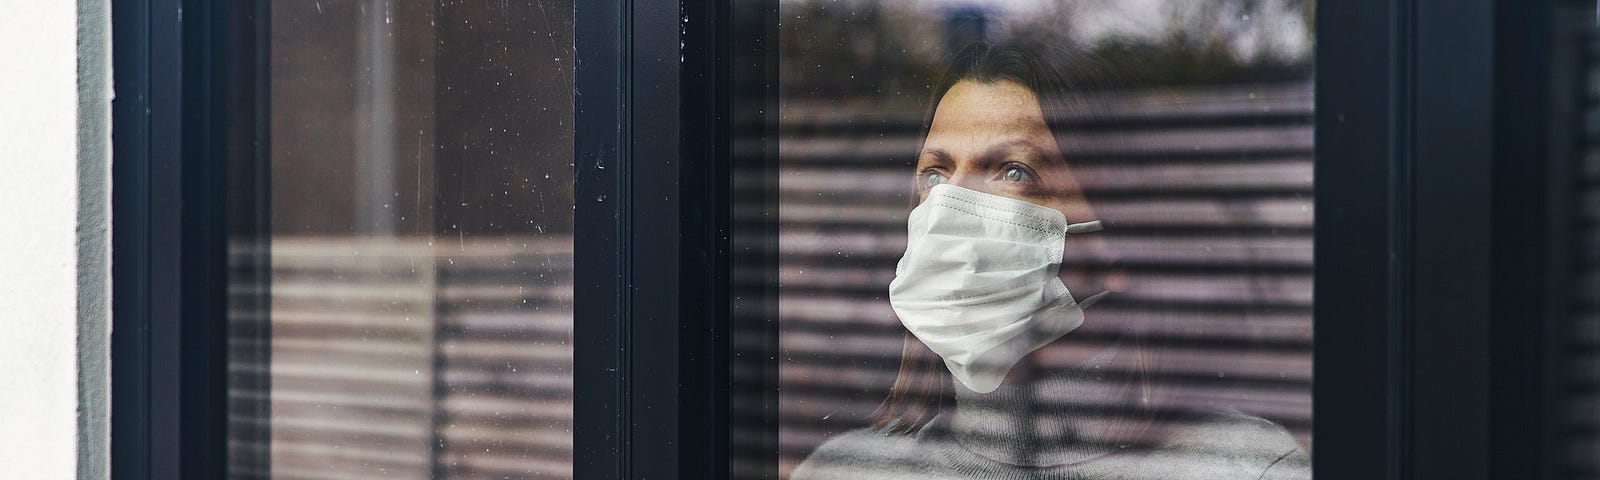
[[965, 26], [889, 51], [412, 119]]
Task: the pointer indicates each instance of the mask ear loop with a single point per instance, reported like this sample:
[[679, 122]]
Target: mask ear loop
[[1082, 228], [1088, 302], [1085, 227]]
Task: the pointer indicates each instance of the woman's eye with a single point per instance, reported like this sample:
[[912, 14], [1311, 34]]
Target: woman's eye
[[930, 179], [1016, 174]]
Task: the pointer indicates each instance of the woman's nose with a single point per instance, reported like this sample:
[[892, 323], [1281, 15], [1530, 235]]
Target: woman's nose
[[968, 180]]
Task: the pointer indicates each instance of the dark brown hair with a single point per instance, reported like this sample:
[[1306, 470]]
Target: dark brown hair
[[1057, 76]]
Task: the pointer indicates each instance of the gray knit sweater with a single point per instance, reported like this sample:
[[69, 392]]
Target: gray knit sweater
[[1227, 447], [1046, 430]]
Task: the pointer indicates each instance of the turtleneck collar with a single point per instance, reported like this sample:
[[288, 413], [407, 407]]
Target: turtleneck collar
[[1045, 418]]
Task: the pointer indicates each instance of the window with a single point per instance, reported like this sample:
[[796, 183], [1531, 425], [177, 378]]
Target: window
[[403, 308], [833, 239], [1185, 130]]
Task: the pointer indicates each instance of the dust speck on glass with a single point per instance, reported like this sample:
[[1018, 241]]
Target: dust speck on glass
[[1044, 239]]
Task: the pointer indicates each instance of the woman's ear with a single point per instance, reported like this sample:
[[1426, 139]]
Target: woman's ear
[[1116, 280], [1112, 275], [1101, 266]]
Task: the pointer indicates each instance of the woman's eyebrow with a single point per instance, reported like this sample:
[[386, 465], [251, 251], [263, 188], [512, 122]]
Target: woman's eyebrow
[[938, 154], [999, 151]]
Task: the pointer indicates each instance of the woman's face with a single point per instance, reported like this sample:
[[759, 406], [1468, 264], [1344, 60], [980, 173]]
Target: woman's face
[[992, 137]]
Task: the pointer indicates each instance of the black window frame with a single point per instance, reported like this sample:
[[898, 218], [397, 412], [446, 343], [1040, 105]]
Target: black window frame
[[1426, 363]]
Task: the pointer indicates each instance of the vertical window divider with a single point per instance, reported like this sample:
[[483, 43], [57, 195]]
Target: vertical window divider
[[1358, 385], [1538, 76], [704, 184], [657, 236], [653, 386], [173, 67], [601, 366], [1452, 142]]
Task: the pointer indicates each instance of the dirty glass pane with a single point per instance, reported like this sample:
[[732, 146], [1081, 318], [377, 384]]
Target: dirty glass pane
[[949, 307], [406, 314]]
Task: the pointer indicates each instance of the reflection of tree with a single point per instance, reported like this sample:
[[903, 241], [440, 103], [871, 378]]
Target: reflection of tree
[[1218, 41], [890, 50], [1243, 28], [831, 51]]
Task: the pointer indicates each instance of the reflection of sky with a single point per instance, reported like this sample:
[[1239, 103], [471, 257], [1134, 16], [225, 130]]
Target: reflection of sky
[[1274, 27]]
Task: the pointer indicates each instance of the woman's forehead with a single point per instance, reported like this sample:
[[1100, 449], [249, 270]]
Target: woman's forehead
[[988, 108]]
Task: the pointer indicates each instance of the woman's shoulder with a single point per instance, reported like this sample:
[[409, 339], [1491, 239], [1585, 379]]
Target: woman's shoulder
[[1247, 442], [869, 455]]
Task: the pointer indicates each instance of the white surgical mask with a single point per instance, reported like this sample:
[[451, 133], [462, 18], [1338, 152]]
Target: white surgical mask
[[978, 281]]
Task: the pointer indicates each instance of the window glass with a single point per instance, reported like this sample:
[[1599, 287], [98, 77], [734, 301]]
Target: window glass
[[1044, 239], [1578, 55], [401, 305]]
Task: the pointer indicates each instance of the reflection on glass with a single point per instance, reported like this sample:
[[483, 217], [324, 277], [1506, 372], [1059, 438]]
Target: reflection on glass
[[407, 311], [1045, 239]]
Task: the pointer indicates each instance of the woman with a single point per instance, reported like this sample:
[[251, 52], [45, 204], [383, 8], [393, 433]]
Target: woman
[[993, 384]]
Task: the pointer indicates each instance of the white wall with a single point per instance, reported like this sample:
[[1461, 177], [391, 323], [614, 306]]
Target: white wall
[[40, 250]]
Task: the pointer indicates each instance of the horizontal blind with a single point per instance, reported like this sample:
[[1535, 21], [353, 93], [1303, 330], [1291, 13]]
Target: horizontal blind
[[405, 359]]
